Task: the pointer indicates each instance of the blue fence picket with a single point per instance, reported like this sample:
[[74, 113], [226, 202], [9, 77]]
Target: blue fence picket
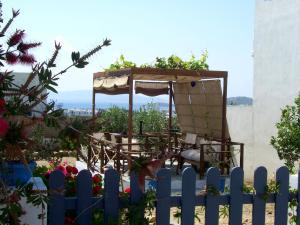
[[298, 198], [282, 197], [111, 196], [163, 196], [135, 191], [259, 203], [56, 205], [236, 196], [111, 204], [84, 198], [135, 196], [212, 203], [188, 196]]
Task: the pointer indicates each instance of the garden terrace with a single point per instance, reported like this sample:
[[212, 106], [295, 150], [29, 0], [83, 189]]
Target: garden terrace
[[184, 87]]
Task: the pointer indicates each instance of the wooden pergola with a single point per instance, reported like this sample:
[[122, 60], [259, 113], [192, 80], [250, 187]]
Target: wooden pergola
[[110, 80]]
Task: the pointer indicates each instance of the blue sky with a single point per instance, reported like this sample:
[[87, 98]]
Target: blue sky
[[142, 30]]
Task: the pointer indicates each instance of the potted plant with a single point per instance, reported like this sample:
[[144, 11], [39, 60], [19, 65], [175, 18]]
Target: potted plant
[[18, 113]]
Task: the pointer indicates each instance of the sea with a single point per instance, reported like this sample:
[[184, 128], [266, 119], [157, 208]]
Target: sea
[[106, 105]]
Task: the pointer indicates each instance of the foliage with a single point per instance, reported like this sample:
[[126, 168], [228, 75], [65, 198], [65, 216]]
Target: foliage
[[121, 63], [153, 119], [18, 113], [287, 141], [20, 100], [114, 120], [172, 62]]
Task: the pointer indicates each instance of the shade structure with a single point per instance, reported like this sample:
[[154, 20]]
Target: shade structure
[[199, 108], [151, 88], [104, 82], [111, 85]]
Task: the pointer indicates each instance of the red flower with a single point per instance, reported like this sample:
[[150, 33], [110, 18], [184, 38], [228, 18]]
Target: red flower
[[11, 58], [69, 220], [23, 47], [74, 170], [2, 105], [127, 190], [27, 59], [96, 189], [69, 169], [3, 127], [62, 169], [97, 178], [47, 175], [16, 38]]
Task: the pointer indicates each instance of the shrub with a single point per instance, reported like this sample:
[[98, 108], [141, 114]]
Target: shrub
[[153, 119], [287, 141]]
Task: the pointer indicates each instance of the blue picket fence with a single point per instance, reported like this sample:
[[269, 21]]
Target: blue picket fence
[[84, 203]]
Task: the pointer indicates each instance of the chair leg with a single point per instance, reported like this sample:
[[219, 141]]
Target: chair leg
[[179, 165]]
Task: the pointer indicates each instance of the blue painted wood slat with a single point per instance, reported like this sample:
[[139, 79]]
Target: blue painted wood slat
[[188, 196], [236, 196], [212, 204], [282, 197], [56, 203], [135, 191], [84, 197], [259, 203], [111, 196], [163, 197]]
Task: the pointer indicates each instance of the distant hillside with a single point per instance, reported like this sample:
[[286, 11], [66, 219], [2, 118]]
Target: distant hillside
[[240, 100]]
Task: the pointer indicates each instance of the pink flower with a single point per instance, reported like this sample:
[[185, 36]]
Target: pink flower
[[27, 59], [16, 37], [4, 126], [23, 47], [11, 58], [2, 106]]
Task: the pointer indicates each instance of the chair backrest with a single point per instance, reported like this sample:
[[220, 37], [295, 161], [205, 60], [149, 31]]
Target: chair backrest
[[190, 138]]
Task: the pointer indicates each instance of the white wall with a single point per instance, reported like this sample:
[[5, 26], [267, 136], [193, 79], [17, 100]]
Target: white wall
[[20, 79], [276, 72], [240, 124]]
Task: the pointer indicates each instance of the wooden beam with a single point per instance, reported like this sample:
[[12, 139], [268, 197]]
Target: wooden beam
[[130, 115], [224, 121], [93, 103], [170, 114]]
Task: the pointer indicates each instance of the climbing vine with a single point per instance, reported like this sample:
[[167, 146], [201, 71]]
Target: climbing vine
[[171, 62]]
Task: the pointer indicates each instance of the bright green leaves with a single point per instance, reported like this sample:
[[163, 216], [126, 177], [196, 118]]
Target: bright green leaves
[[172, 62], [287, 141]]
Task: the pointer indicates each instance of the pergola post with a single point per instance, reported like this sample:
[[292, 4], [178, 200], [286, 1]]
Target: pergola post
[[224, 109], [170, 115], [93, 103], [130, 114]]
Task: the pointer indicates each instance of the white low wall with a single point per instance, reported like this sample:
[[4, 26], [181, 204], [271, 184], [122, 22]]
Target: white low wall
[[241, 128]]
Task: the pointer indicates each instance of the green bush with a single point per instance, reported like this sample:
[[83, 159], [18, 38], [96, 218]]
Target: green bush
[[114, 120], [287, 141], [153, 119]]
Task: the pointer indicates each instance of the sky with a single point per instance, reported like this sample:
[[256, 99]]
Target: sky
[[141, 31]]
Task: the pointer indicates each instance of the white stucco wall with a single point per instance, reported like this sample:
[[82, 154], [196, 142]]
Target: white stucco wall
[[240, 124], [20, 79], [276, 72]]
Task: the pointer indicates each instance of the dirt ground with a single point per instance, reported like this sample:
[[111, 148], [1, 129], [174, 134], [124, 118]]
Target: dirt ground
[[247, 216]]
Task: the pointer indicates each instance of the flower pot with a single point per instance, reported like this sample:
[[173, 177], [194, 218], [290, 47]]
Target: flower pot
[[16, 172]]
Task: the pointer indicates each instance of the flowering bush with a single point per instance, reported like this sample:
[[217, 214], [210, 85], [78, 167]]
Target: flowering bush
[[18, 102]]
